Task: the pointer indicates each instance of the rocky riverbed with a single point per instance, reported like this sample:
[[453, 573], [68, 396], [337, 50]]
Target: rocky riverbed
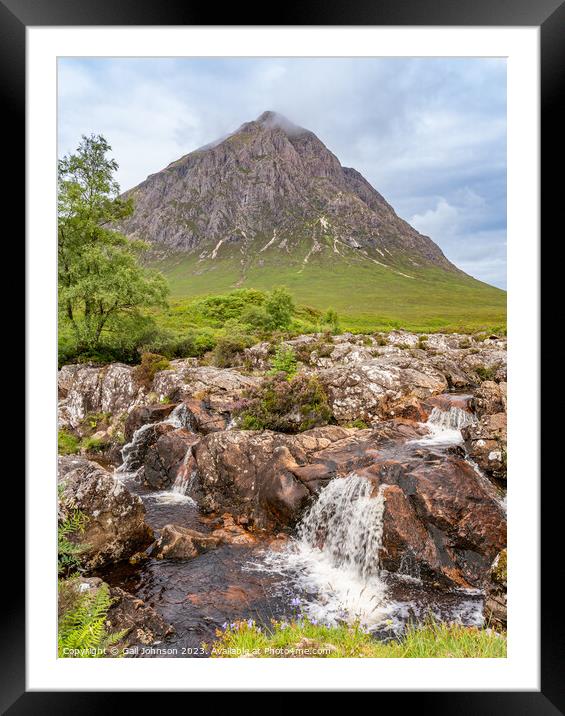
[[393, 510]]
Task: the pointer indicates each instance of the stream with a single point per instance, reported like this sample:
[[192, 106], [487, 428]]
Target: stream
[[328, 571]]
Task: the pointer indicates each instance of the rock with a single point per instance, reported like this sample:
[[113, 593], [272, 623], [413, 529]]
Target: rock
[[144, 414], [165, 458], [379, 388], [495, 609], [253, 473], [87, 389], [485, 442], [490, 361], [115, 528], [489, 398], [446, 526], [218, 387], [177, 542], [135, 452], [202, 419], [232, 533]]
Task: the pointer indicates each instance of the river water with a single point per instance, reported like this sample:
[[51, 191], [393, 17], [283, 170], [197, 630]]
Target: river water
[[328, 571]]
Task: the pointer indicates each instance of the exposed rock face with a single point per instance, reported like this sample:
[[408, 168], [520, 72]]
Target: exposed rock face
[[486, 444], [88, 389], [490, 398], [165, 458], [177, 542], [116, 527], [281, 187], [495, 591], [372, 390]]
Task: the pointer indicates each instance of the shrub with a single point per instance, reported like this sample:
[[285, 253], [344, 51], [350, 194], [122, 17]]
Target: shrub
[[82, 629], [280, 307], [381, 340], [67, 443], [151, 363], [284, 361], [289, 406], [231, 345], [332, 319], [256, 317]]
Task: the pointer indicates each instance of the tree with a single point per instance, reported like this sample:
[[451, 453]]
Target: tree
[[102, 287], [280, 307]]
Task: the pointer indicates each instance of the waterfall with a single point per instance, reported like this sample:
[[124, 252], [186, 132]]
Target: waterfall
[[133, 453], [346, 523], [334, 563], [445, 426]]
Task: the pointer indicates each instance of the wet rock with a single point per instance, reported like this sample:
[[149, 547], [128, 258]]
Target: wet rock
[[202, 418], [486, 444], [135, 452], [495, 593], [447, 526], [115, 528], [231, 532], [144, 414], [177, 542], [165, 458], [253, 473]]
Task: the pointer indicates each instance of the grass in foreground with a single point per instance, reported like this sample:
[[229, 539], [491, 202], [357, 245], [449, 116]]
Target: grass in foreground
[[304, 638]]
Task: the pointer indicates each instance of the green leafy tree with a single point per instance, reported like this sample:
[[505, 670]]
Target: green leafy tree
[[101, 284], [331, 319], [280, 307]]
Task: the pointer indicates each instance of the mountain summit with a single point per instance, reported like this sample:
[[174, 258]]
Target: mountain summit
[[269, 189]]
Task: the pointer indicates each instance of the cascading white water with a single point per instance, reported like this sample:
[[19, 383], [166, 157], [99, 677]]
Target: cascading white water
[[334, 563], [445, 426], [346, 523]]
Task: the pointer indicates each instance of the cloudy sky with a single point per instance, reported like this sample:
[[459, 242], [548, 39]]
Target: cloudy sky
[[428, 134]]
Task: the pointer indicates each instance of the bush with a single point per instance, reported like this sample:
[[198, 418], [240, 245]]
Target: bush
[[332, 319], [67, 443], [485, 372], [151, 363], [231, 345], [280, 307], [284, 361], [288, 406]]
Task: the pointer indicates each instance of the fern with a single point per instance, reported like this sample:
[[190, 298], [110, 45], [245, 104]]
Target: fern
[[82, 628], [69, 552]]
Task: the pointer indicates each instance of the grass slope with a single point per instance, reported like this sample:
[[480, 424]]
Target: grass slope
[[367, 296]]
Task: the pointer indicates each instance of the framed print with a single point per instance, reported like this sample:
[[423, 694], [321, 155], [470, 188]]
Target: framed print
[[283, 321]]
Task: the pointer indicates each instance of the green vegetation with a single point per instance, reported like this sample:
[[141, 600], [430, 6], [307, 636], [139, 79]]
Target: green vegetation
[[82, 631], [284, 361], [288, 406], [82, 615], [304, 638], [151, 363], [486, 372], [67, 443], [102, 288], [368, 297]]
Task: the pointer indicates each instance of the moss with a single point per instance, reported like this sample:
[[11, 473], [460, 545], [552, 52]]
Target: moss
[[485, 372], [67, 443], [499, 568], [92, 445], [360, 424]]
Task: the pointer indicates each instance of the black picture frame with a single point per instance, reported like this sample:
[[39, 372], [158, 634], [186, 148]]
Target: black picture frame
[[549, 15]]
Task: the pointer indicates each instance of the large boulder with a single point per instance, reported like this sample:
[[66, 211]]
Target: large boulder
[[86, 389], [378, 389], [489, 398], [115, 526], [165, 459], [485, 442], [144, 415]]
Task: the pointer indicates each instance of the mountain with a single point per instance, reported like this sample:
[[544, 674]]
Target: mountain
[[270, 203]]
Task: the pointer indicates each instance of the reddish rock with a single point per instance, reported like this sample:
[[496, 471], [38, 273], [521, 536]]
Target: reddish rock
[[202, 418], [166, 457], [143, 414], [232, 533], [177, 542]]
